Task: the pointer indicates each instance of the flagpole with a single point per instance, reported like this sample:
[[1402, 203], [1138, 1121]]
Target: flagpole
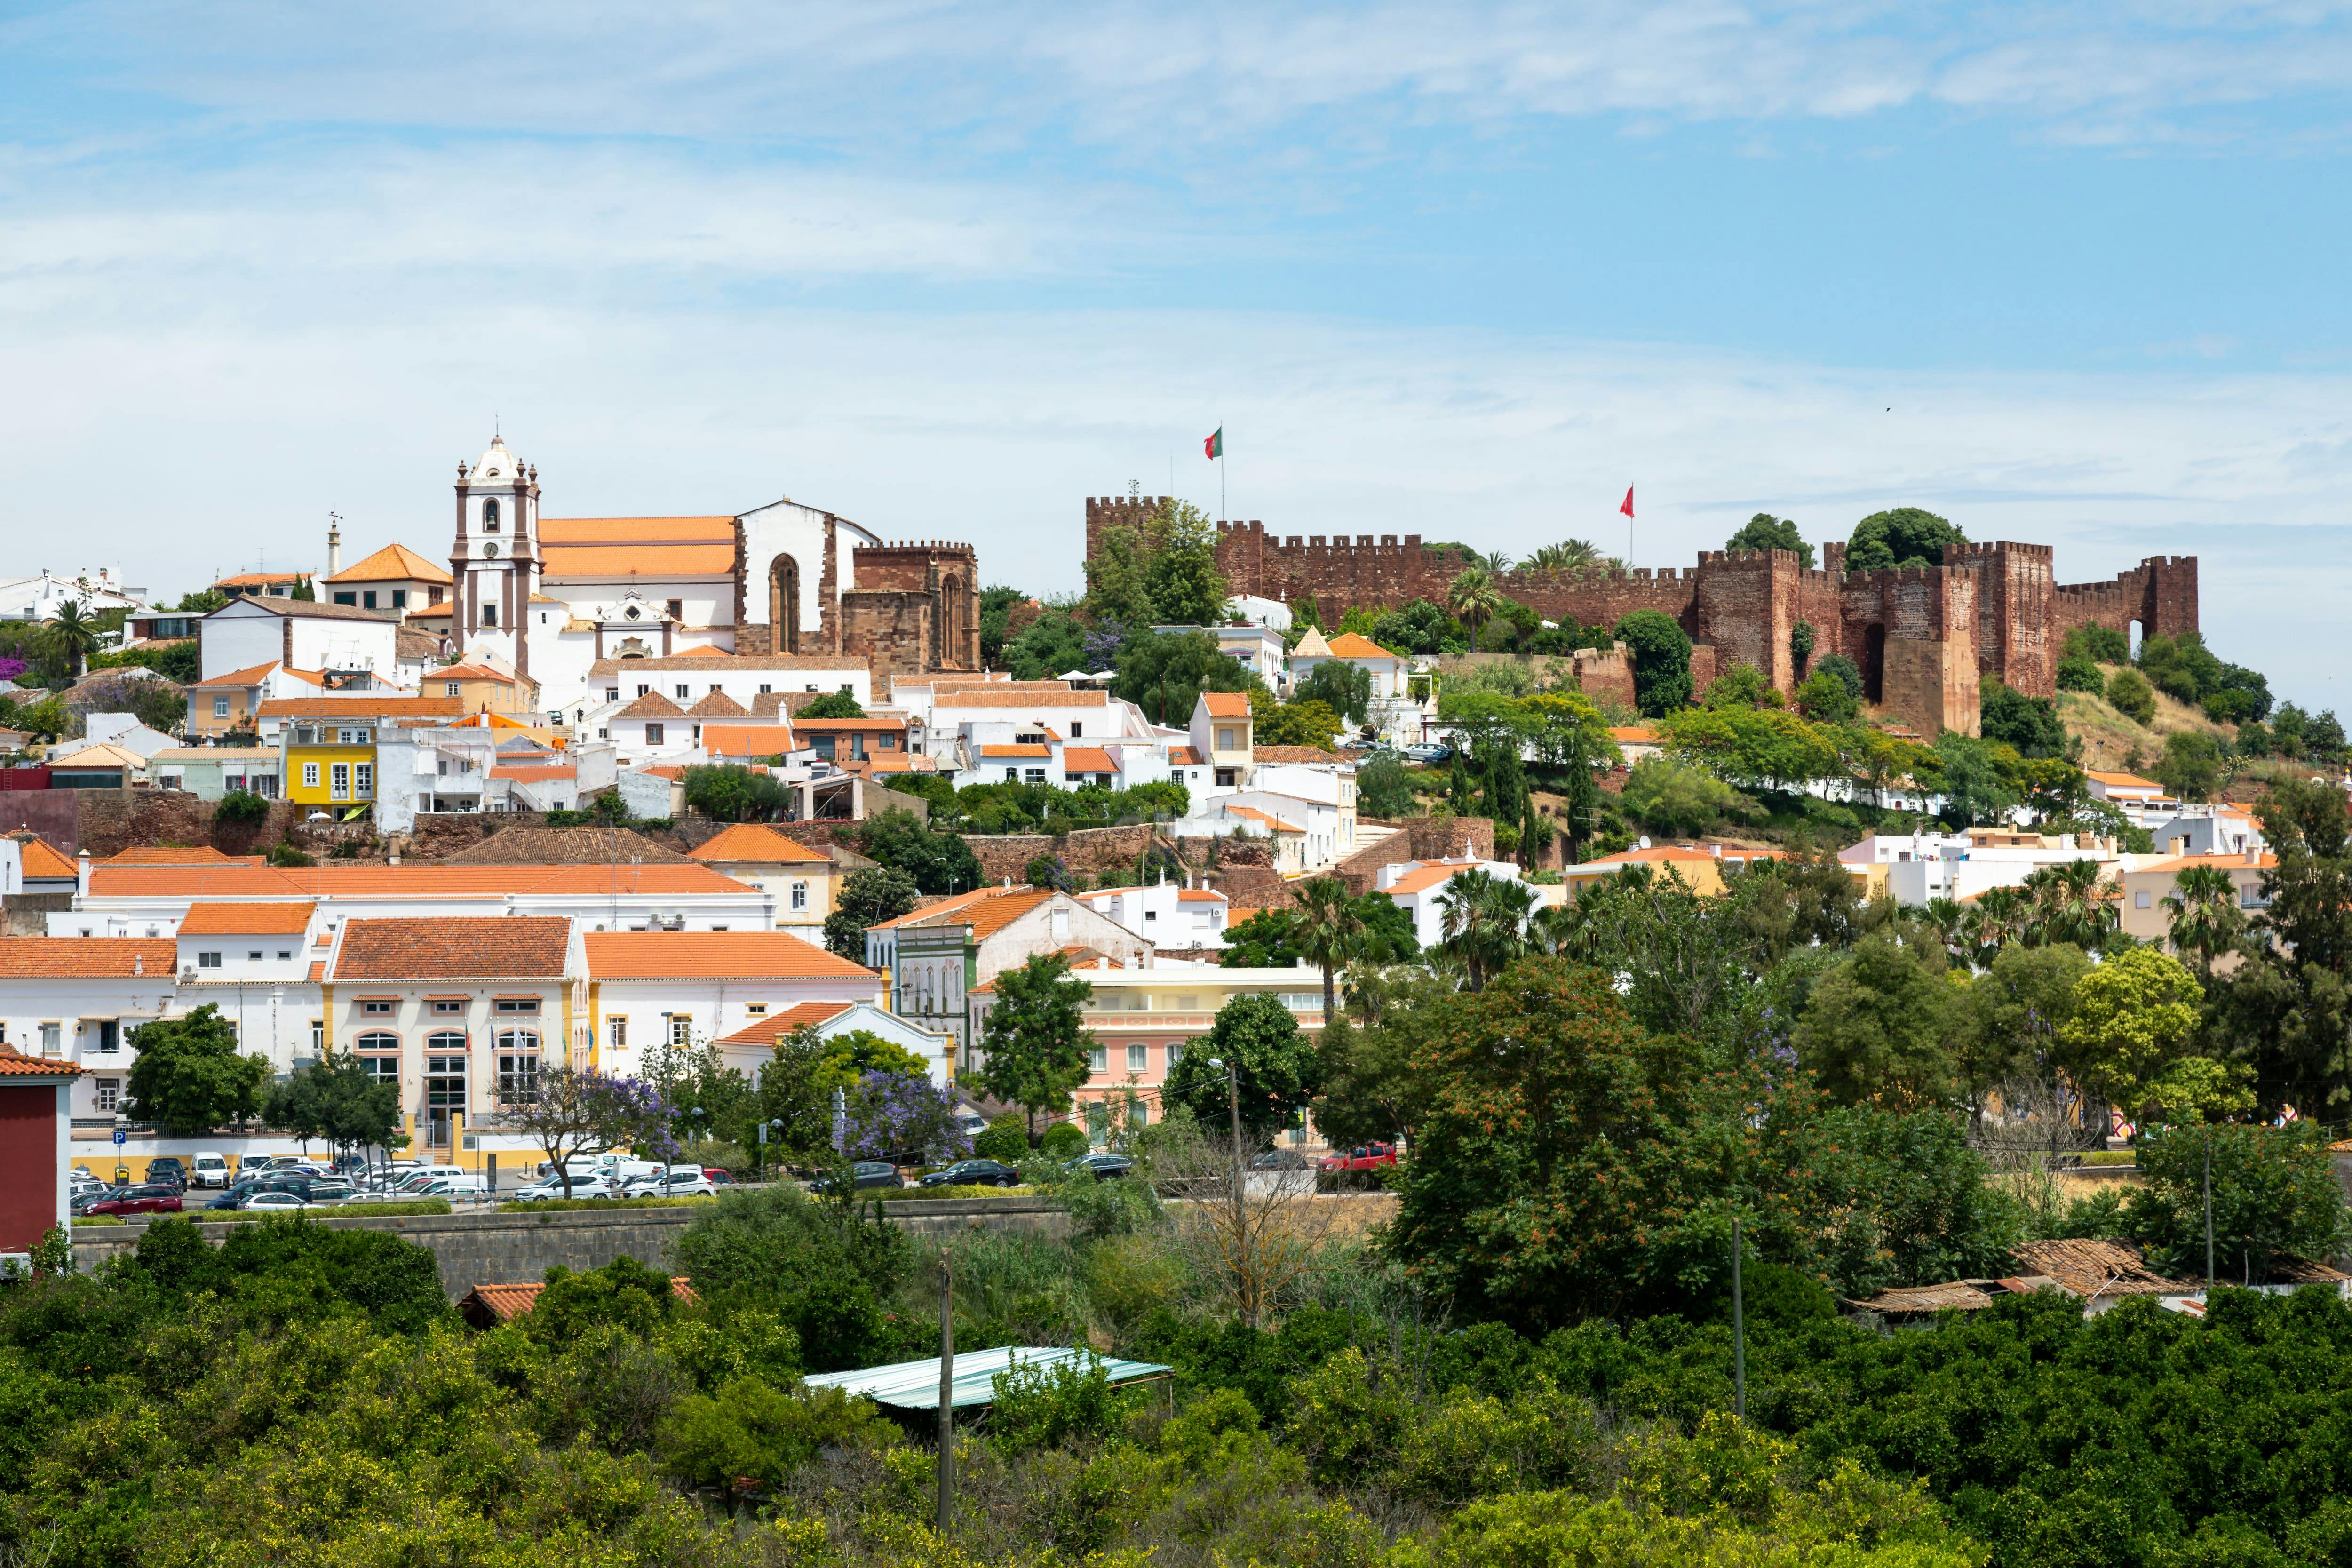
[[1224, 514]]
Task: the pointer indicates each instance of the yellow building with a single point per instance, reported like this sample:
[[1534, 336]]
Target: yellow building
[[329, 743], [482, 689], [1699, 868], [801, 879], [2146, 888]]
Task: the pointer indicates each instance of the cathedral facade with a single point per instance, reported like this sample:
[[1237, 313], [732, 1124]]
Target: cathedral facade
[[785, 581]]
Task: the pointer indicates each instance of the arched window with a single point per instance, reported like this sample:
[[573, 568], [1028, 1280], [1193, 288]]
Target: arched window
[[491, 516], [517, 1066], [379, 1056], [449, 1042]]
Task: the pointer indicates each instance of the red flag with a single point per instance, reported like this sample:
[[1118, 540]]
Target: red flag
[[1628, 508]]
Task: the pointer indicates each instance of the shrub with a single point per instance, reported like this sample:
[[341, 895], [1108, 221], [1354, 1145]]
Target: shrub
[[1064, 1140], [750, 1433], [2076, 673], [240, 805], [1045, 1406], [1005, 1140], [1848, 672], [286, 855], [2100, 645], [2130, 695], [832, 705]]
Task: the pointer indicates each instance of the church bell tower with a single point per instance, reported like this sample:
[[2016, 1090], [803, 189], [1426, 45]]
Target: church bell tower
[[494, 566]]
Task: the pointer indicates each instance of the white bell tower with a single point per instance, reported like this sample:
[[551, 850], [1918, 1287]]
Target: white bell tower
[[494, 566]]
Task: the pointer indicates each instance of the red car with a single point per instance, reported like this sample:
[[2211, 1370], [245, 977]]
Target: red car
[[1364, 1157], [152, 1198]]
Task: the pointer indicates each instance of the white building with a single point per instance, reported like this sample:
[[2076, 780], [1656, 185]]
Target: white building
[[754, 1044], [1420, 888], [691, 988], [1394, 714], [1170, 915], [41, 596], [250, 632], [78, 1002]]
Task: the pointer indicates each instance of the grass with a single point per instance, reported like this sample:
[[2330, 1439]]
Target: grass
[[2107, 735], [903, 1195], [2112, 1157], [412, 1205]]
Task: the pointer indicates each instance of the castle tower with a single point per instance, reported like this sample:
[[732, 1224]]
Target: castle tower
[[494, 563]]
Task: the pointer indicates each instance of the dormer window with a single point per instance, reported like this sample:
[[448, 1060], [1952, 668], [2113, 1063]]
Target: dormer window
[[490, 515]]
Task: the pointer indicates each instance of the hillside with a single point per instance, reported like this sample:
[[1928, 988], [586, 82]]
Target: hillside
[[2110, 738]]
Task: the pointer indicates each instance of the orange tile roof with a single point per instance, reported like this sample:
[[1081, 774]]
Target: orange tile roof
[[746, 663], [769, 1030], [1199, 896], [482, 947], [894, 763], [1183, 757], [1255, 814], [635, 530], [1225, 704], [2121, 781], [803, 722], [86, 957], [247, 920], [363, 708], [1666, 854], [749, 740], [1088, 759], [170, 854], [15, 1063], [504, 1303], [1424, 878], [652, 705], [717, 704], [1016, 750], [2182, 862], [1635, 734], [257, 579], [702, 650], [42, 858], [251, 675], [393, 564], [1351, 645], [347, 882], [534, 775], [755, 842], [612, 562], [469, 672], [714, 956], [987, 910]]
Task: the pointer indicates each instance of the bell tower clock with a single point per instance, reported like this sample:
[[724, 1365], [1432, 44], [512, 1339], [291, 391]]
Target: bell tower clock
[[494, 564]]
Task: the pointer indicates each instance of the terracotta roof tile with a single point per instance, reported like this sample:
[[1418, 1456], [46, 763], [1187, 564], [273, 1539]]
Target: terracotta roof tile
[[619, 562], [637, 529], [413, 881], [986, 910], [1255, 815], [481, 947], [15, 1063], [316, 610], [717, 704], [1183, 757], [769, 1030], [867, 725], [533, 774], [86, 957], [738, 664], [714, 956], [363, 708], [251, 675], [1350, 645], [170, 855], [1225, 704], [1088, 759], [652, 705], [393, 564], [1016, 750], [42, 858], [747, 740], [247, 920], [2121, 781], [257, 579], [755, 843], [487, 1306]]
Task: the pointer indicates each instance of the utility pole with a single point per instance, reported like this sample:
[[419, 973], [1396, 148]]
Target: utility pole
[[1739, 1332], [947, 1394]]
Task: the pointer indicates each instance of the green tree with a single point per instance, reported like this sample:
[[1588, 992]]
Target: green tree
[[1877, 1029], [1187, 589], [2027, 723], [2129, 694], [1661, 651], [867, 897], [2135, 1018], [728, 792], [337, 1100], [1055, 642], [1740, 685], [1035, 1044], [1677, 801], [1331, 931], [2100, 645], [1753, 748], [1970, 780], [996, 606], [1826, 700], [72, 632], [189, 1077], [938, 862], [1346, 688], [1765, 531], [2275, 1194], [1472, 599], [2289, 1006], [2008, 1021], [2190, 766], [1275, 1067], [1301, 722], [1485, 921], [1267, 939], [831, 705], [1164, 674], [1905, 536], [2203, 917], [1384, 789], [2077, 674], [1802, 639]]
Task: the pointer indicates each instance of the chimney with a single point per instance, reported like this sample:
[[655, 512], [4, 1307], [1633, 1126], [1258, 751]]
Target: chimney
[[138, 964], [2180, 842], [2253, 855], [1719, 850], [84, 869]]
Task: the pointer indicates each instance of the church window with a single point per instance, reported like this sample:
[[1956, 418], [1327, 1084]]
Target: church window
[[489, 517], [676, 609], [489, 614]]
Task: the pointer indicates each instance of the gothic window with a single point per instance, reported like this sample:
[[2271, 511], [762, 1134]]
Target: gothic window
[[491, 516]]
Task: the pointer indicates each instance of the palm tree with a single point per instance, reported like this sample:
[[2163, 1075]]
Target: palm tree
[[1493, 560], [1567, 555], [1997, 920], [1472, 597], [73, 634], [2206, 918], [1948, 918], [1329, 931], [1558, 929], [1485, 919]]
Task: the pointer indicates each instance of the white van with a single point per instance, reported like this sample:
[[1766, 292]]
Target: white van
[[206, 1169]]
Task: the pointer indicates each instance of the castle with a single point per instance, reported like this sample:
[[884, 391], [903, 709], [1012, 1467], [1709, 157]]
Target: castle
[[1921, 635], [554, 596]]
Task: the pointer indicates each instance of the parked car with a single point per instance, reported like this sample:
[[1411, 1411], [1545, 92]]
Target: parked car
[[865, 1174], [275, 1182], [584, 1184], [1281, 1160], [166, 1170], [718, 1178], [687, 1182], [330, 1189], [272, 1202], [1364, 1157], [1105, 1166], [1428, 752], [974, 1174], [146, 1198], [208, 1170]]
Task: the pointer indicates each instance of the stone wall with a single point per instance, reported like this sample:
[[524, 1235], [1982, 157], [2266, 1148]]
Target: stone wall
[[1002, 854], [1417, 838], [1607, 675], [493, 1248], [54, 813]]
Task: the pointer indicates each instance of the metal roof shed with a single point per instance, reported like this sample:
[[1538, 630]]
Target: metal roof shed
[[915, 1385]]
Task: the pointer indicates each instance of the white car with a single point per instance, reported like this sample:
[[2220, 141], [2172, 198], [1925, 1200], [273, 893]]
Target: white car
[[277, 1201], [552, 1190], [684, 1182]]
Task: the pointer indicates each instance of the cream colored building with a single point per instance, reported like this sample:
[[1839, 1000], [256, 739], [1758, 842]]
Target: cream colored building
[[799, 879], [2145, 890]]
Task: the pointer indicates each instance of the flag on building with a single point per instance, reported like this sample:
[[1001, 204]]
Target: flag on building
[[1215, 446], [1628, 508]]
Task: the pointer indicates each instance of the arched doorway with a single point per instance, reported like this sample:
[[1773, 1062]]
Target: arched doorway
[[954, 620], [784, 604], [1873, 664]]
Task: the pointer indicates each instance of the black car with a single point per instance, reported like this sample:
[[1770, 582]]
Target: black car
[[864, 1174], [974, 1174], [1281, 1160], [277, 1181], [166, 1170], [1105, 1166]]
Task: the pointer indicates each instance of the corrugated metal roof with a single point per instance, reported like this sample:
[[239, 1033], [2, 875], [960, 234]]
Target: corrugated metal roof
[[915, 1385]]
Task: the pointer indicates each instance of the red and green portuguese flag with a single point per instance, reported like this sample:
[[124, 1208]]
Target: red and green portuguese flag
[[1215, 446]]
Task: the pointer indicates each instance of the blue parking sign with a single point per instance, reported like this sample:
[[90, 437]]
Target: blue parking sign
[[121, 1137]]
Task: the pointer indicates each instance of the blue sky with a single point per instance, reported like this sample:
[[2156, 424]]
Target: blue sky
[[2069, 273]]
